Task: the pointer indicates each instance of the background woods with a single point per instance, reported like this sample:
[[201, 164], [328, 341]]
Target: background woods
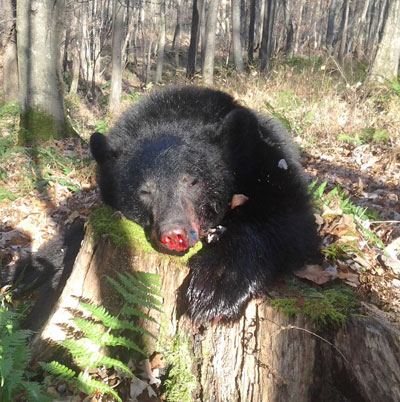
[[85, 43]]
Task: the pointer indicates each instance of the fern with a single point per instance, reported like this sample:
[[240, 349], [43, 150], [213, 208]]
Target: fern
[[59, 370], [138, 297], [359, 214], [92, 386], [113, 322], [14, 358], [102, 331]]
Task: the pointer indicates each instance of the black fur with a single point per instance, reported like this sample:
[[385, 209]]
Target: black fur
[[175, 159]]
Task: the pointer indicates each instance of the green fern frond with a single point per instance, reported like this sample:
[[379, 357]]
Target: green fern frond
[[86, 354], [34, 393], [98, 359], [113, 322], [152, 286], [128, 297], [139, 289], [111, 340], [102, 314], [149, 279], [14, 357], [96, 334], [62, 372], [131, 311], [91, 386], [79, 348], [92, 330]]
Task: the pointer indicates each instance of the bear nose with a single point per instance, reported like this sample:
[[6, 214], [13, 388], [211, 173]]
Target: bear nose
[[175, 239]]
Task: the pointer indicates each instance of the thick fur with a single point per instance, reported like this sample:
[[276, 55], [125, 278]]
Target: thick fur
[[177, 157]]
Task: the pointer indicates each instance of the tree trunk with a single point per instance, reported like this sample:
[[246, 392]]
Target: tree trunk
[[386, 64], [202, 6], [209, 54], [10, 60], [177, 33], [250, 50], [264, 356], [236, 39], [267, 39], [287, 12], [76, 46], [360, 37], [117, 42], [191, 66], [343, 32], [39, 24], [330, 33], [161, 43]]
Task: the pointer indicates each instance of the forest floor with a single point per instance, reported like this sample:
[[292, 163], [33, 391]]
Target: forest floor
[[350, 143]]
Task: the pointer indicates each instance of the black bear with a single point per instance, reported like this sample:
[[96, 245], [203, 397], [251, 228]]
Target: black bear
[[190, 163]]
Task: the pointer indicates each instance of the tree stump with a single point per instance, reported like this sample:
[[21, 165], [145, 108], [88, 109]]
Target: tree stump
[[264, 356]]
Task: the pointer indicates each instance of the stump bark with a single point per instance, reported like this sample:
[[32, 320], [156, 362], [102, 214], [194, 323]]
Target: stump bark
[[264, 356]]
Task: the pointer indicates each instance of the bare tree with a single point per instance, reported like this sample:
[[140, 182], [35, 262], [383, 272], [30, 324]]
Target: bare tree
[[209, 54], [117, 41], [161, 43], [39, 26], [330, 33], [191, 66], [10, 60], [343, 30], [267, 39], [386, 63], [236, 37], [177, 32], [287, 12], [75, 45], [250, 50]]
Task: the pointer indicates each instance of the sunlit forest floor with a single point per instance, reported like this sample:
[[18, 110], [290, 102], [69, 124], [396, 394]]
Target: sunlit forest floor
[[349, 140]]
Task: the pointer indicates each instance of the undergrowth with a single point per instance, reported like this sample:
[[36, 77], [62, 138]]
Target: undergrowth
[[15, 378], [342, 205], [102, 331]]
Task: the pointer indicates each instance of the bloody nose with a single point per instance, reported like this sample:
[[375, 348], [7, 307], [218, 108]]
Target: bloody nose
[[175, 239]]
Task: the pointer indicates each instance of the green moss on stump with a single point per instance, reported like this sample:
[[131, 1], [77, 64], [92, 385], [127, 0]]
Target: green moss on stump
[[122, 232], [181, 382], [324, 307]]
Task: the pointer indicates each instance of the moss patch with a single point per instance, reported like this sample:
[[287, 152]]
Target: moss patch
[[181, 382], [38, 126], [122, 232], [324, 307]]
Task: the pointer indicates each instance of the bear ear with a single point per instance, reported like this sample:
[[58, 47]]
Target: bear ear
[[240, 132], [101, 149]]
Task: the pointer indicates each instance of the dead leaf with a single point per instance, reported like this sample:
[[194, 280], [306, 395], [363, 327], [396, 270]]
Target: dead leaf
[[316, 274], [158, 361], [371, 161], [349, 278], [344, 226], [328, 212], [140, 391], [150, 373]]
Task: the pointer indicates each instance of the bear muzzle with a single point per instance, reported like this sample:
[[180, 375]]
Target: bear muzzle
[[176, 239]]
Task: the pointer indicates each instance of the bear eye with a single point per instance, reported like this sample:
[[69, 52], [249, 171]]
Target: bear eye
[[193, 182], [144, 192]]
